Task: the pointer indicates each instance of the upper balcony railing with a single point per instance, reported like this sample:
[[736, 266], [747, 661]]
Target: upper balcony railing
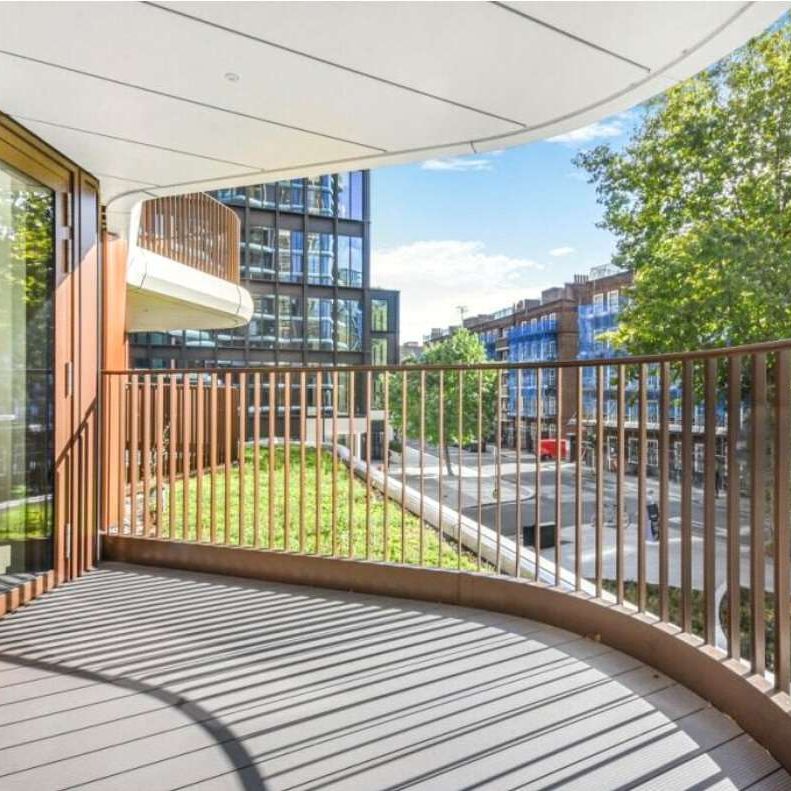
[[195, 230]]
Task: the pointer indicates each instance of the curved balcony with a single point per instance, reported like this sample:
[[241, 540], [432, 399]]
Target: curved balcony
[[183, 270]]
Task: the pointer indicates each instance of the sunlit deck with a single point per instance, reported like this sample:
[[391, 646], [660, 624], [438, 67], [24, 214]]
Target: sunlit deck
[[143, 678]]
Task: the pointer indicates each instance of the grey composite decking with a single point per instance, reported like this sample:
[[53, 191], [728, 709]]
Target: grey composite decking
[[138, 678]]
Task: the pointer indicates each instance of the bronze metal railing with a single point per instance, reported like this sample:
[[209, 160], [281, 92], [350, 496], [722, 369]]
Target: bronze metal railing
[[195, 230], [430, 466]]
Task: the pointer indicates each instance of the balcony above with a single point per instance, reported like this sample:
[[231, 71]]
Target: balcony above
[[183, 270]]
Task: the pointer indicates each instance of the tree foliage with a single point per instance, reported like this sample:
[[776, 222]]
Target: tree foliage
[[699, 201], [463, 347]]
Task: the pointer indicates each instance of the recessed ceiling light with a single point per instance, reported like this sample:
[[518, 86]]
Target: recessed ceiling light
[[231, 76]]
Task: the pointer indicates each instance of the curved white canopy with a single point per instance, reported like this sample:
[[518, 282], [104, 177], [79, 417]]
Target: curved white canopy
[[159, 98]]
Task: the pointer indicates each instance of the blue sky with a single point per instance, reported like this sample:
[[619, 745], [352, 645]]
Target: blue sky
[[487, 230]]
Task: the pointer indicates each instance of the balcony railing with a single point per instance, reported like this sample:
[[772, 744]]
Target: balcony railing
[[388, 465], [195, 230]]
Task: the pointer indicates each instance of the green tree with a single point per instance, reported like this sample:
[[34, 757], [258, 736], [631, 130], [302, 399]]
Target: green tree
[[461, 348], [699, 201]]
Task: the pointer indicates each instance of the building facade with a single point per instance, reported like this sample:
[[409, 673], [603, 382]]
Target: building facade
[[305, 259]]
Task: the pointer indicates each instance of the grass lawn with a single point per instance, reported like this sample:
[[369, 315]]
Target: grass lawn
[[304, 529], [25, 520]]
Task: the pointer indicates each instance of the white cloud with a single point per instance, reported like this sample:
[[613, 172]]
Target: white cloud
[[435, 277], [596, 131], [558, 252], [458, 164]]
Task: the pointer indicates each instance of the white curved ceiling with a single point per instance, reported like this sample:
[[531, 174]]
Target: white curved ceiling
[[137, 92]]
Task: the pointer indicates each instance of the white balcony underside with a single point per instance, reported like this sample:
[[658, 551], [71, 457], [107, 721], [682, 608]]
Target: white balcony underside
[[164, 680], [163, 295]]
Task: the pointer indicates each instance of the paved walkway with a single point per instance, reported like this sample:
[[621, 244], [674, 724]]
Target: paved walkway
[[134, 678]]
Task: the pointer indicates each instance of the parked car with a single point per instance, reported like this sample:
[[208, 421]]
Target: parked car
[[549, 449]]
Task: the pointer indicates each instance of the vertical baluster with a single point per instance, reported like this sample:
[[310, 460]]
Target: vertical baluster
[[134, 431], [334, 463], [146, 456], [287, 461], [199, 451], [351, 462], [368, 444], [518, 535], [578, 487], [460, 431], [733, 506], [440, 448], [386, 471], [319, 456], [664, 494], [421, 517], [599, 537], [404, 424], [781, 527], [270, 503], [160, 453], [122, 462], [558, 468], [686, 496], [256, 459], [642, 443], [185, 455], [242, 448], [213, 458], [757, 513], [303, 427], [498, 518], [620, 463], [479, 480], [228, 449], [709, 512], [537, 451], [172, 454]]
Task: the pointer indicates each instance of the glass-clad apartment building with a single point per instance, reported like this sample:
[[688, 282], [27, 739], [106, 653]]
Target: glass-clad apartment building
[[305, 258]]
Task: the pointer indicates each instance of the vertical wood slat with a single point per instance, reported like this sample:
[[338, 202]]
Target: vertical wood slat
[[518, 538], [334, 486], [185, 455], [733, 507], [227, 450], [709, 507], [241, 452], [351, 463], [558, 470], [758, 513], [134, 435], [271, 429], [578, 487], [404, 424], [146, 456], [440, 450], [319, 459], [172, 454], [620, 493], [599, 536], [199, 456], [460, 439], [302, 460], [122, 465], [479, 476], [421, 512], [213, 458], [687, 384], [498, 469], [257, 459], [368, 443], [664, 491], [287, 461], [160, 453], [537, 451], [642, 521], [782, 542], [386, 471]]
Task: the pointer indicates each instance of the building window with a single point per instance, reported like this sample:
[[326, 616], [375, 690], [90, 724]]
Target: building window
[[289, 322], [260, 253], [379, 322], [350, 195], [653, 453], [289, 256], [320, 324], [320, 195], [231, 197], [263, 196], [350, 325], [634, 450], [321, 259], [290, 195], [598, 304], [612, 301], [379, 351], [350, 261], [262, 325], [199, 338]]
